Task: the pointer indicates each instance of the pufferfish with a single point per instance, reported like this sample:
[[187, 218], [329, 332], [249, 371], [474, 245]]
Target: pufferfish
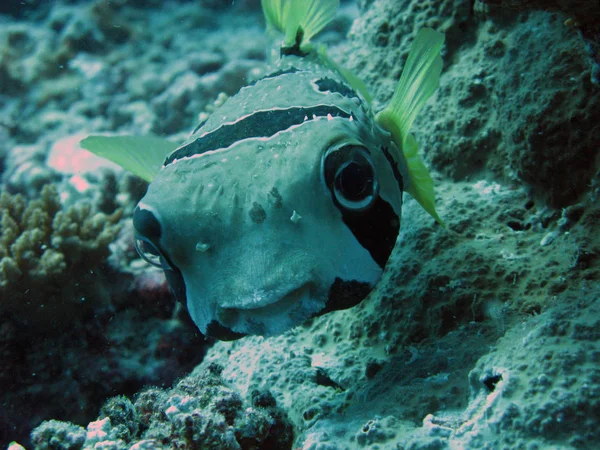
[[285, 203]]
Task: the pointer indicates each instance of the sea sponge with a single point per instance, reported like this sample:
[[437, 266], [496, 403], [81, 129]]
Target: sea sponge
[[48, 255]]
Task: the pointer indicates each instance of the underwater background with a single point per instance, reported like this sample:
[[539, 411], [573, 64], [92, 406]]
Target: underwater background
[[482, 335]]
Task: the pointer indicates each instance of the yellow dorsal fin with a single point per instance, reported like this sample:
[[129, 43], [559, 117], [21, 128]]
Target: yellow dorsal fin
[[419, 80], [299, 19], [276, 13]]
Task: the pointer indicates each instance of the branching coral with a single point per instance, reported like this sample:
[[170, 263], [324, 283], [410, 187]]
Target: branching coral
[[48, 253]]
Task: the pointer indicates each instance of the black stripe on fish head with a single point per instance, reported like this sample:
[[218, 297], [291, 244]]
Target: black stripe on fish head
[[344, 294], [260, 124], [376, 229], [276, 74], [271, 75], [327, 85]]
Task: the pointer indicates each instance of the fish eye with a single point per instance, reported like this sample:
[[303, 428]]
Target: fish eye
[[350, 174], [150, 253], [148, 229]]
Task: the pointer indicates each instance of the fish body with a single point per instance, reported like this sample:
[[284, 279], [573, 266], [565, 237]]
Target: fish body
[[286, 202]]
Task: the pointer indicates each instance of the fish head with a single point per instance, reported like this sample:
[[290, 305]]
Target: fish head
[[261, 236]]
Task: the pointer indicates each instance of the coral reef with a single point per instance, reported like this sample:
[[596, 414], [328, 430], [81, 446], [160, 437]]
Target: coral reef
[[54, 434], [481, 334], [103, 323], [524, 392], [413, 362], [71, 327]]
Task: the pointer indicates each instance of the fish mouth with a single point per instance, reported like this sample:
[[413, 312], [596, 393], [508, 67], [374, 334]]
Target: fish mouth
[[264, 297], [272, 315]]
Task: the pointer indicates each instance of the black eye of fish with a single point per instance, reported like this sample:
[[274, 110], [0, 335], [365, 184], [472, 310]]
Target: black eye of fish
[[350, 174], [354, 181]]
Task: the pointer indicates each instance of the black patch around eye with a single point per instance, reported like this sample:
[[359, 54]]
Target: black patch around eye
[[397, 174], [148, 230], [330, 85], [376, 229], [345, 294], [146, 224]]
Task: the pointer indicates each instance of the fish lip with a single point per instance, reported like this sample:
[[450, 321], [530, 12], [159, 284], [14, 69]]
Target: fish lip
[[272, 299], [275, 316]]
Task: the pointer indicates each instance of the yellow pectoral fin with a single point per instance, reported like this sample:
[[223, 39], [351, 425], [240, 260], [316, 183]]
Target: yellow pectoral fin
[[420, 185], [419, 80], [141, 155]]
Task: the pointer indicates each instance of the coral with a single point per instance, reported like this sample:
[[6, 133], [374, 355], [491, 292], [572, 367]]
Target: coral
[[582, 10], [495, 102], [540, 386], [551, 123], [57, 435], [123, 417], [204, 412], [522, 119], [50, 250], [583, 16], [199, 412]]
